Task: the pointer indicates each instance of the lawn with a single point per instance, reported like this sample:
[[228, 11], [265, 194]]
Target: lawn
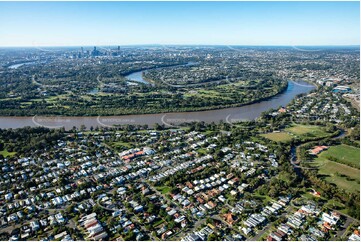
[[6, 153], [346, 154], [208, 132], [278, 137], [207, 94], [332, 203], [120, 144], [202, 151], [341, 175], [159, 222], [307, 131], [306, 194], [164, 189], [297, 131], [264, 198]]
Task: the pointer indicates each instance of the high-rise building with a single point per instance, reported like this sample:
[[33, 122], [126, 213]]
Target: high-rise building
[[95, 52]]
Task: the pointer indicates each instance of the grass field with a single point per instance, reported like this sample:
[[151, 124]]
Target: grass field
[[207, 94], [120, 144], [6, 153], [307, 131], [341, 175], [164, 189], [278, 137], [297, 131], [264, 198], [202, 151], [159, 222], [345, 153], [208, 132]]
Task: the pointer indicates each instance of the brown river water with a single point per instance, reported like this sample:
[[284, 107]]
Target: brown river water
[[230, 115]]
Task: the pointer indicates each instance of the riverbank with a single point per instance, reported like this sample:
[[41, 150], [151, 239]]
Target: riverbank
[[125, 74], [88, 113], [233, 114]]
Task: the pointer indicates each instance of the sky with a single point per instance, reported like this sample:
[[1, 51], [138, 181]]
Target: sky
[[179, 23]]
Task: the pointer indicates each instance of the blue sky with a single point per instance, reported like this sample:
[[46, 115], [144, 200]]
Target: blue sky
[[136, 23]]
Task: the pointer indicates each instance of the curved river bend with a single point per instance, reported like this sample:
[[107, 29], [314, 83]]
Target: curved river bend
[[138, 75], [247, 112]]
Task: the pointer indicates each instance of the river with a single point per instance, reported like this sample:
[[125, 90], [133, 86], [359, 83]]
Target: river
[[138, 75], [247, 112], [16, 66]]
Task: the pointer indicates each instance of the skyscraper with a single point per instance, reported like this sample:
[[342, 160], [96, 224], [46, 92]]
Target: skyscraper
[[95, 52]]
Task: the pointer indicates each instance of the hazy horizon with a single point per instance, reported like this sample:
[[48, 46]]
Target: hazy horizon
[[179, 45], [36, 24]]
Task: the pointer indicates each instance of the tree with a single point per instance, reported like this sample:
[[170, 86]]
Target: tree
[[151, 208], [129, 236], [70, 209], [212, 237], [171, 224], [272, 192], [168, 218], [158, 127]]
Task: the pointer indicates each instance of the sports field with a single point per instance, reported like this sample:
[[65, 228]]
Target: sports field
[[344, 154], [341, 175], [278, 137], [307, 131], [297, 131]]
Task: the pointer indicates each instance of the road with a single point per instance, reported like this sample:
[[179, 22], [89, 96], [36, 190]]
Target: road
[[171, 202], [342, 232], [349, 220], [260, 233]]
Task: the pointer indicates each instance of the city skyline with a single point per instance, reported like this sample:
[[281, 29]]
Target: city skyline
[[180, 121], [32, 24]]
